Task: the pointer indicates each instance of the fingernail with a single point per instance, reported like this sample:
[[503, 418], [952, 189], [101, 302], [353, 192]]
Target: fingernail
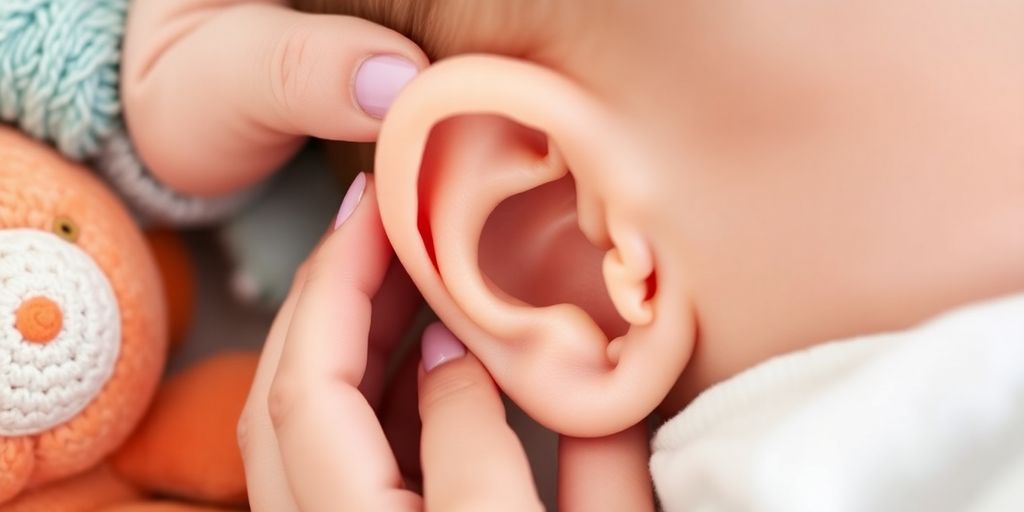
[[379, 80], [351, 201], [440, 346]]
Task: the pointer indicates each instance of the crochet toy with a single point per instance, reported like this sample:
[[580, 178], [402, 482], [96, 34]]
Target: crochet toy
[[83, 328], [83, 340]]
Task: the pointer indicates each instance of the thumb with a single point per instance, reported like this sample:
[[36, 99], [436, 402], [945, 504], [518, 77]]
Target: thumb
[[227, 102], [330, 76]]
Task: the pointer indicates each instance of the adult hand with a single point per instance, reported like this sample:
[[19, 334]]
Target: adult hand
[[219, 93], [310, 421], [310, 435]]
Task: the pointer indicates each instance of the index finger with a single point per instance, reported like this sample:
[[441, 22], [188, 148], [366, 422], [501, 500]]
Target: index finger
[[333, 449]]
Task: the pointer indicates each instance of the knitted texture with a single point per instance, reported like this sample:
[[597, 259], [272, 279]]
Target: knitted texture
[[59, 62], [45, 384], [153, 201], [47, 202]]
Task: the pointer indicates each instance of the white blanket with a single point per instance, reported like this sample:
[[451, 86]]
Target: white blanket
[[926, 419]]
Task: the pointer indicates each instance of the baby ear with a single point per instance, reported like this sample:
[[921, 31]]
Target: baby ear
[[511, 196]]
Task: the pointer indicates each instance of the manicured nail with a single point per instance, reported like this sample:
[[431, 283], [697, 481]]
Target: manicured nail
[[440, 346], [379, 80], [351, 201]]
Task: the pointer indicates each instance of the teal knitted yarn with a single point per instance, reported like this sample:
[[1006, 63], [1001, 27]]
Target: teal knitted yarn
[[153, 202], [59, 64]]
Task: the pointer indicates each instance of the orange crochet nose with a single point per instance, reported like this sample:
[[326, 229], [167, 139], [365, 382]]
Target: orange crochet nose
[[39, 320]]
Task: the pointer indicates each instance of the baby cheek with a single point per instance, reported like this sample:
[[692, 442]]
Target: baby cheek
[[749, 76]]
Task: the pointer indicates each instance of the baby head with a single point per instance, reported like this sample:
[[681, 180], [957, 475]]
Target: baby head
[[617, 204]]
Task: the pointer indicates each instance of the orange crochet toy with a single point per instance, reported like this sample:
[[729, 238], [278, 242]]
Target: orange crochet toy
[[83, 328], [83, 340]]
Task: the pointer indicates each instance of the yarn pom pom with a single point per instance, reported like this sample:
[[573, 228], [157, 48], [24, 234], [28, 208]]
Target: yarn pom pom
[[59, 70]]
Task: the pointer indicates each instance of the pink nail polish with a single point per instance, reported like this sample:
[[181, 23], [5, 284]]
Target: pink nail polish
[[440, 346], [352, 199], [379, 80]]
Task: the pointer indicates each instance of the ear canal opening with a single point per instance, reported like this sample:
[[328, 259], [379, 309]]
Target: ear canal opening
[[533, 250], [652, 286]]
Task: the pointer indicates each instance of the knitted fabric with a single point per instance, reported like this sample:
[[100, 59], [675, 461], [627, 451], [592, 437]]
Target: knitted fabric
[[59, 82], [59, 63], [153, 201], [108, 288], [45, 384]]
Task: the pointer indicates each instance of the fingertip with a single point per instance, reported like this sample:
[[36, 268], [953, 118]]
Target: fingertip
[[361, 195], [356, 252], [440, 346], [378, 81], [351, 201], [382, 74], [469, 454], [334, 77], [452, 379]]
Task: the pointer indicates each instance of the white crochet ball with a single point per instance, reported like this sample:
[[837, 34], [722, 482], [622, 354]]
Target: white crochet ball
[[44, 383]]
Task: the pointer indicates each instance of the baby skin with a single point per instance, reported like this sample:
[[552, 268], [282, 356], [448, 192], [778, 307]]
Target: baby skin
[[621, 207]]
